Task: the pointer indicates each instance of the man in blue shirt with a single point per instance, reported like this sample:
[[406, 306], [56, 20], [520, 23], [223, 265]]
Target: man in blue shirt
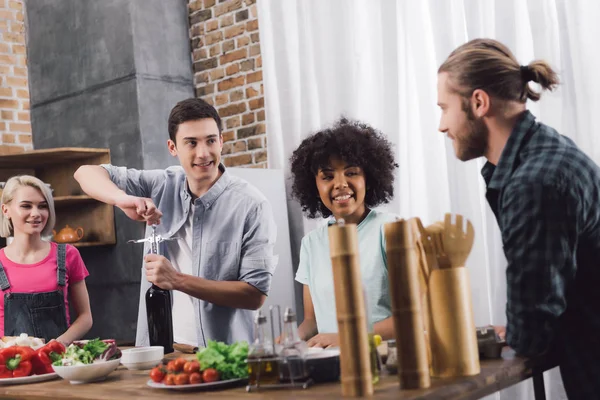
[[221, 265], [545, 193]]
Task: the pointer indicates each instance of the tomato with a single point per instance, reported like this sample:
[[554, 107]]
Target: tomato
[[210, 375], [179, 363], [171, 367], [157, 375], [191, 366], [195, 377], [169, 379], [182, 379]]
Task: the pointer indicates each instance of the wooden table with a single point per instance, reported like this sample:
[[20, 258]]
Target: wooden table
[[124, 384]]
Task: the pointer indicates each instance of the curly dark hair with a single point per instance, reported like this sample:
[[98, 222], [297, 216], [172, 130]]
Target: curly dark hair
[[355, 143]]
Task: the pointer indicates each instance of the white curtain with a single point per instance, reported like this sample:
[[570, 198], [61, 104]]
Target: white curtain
[[377, 60]]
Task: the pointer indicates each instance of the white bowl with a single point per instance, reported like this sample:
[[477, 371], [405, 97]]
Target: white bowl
[[142, 357], [88, 372]]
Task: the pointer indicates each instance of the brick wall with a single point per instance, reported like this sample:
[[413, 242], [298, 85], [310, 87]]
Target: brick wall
[[228, 74], [15, 128]]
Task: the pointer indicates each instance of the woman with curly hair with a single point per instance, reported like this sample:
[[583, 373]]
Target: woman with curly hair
[[344, 172]]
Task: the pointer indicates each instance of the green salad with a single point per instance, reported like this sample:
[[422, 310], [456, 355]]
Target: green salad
[[88, 352], [228, 360]]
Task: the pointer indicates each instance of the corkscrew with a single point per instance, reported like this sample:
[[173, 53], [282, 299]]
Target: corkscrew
[[153, 239]]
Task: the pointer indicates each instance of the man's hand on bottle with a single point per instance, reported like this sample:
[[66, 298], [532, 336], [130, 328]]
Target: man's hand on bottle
[[160, 272], [324, 340], [139, 209]]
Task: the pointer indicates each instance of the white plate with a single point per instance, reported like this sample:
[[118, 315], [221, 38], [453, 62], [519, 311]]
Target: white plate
[[29, 379], [207, 386], [323, 353]]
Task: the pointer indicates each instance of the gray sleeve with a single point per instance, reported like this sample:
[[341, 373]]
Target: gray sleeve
[[134, 182], [257, 259]]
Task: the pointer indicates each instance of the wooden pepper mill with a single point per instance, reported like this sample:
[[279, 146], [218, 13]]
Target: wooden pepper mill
[[355, 358], [405, 291]]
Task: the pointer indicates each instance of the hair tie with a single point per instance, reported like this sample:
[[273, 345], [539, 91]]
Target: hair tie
[[526, 73]]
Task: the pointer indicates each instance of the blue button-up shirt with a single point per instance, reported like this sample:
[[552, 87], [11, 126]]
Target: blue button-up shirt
[[233, 239], [545, 193]]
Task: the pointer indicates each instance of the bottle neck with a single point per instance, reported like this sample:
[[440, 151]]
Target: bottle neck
[[290, 333], [261, 338]]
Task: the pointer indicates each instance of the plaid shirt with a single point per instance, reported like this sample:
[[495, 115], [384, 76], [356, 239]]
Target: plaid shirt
[[545, 193]]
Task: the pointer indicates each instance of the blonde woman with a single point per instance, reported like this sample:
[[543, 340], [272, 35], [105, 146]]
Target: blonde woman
[[37, 277]]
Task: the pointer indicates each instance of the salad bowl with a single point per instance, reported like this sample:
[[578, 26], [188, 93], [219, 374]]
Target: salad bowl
[[85, 373], [88, 360]]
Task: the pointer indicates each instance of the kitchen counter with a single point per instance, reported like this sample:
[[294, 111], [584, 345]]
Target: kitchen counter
[[124, 384]]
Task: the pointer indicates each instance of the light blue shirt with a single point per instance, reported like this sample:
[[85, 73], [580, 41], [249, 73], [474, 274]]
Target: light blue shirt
[[315, 271], [233, 239]]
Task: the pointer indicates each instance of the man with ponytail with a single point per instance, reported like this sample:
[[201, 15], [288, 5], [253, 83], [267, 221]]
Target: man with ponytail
[[545, 193]]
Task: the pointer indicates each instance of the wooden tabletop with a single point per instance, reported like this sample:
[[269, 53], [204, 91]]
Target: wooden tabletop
[[124, 384]]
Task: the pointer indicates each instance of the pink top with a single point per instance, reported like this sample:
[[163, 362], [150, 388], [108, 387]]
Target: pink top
[[41, 276]]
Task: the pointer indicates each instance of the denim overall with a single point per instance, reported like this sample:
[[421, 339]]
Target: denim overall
[[42, 315]]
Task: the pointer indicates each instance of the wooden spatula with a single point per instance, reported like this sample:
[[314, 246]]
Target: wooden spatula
[[427, 261], [456, 241], [436, 231], [427, 241]]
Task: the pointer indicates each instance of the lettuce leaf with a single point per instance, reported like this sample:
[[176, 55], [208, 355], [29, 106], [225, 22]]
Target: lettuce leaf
[[228, 360]]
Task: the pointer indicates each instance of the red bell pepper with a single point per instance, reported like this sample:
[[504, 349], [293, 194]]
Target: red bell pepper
[[45, 356], [15, 361]]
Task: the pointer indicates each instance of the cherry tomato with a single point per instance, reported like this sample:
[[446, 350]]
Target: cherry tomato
[[157, 375], [191, 366], [169, 379], [182, 379], [179, 363], [171, 367], [210, 375], [195, 377]]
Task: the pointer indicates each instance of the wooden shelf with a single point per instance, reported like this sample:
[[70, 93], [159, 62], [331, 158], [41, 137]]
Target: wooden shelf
[[90, 244], [56, 167], [60, 201], [38, 158]]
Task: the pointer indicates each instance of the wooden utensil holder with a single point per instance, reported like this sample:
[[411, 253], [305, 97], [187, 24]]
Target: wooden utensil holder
[[403, 270], [452, 328], [355, 355]]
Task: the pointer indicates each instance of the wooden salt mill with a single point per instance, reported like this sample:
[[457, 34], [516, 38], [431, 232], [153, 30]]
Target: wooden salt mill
[[355, 359]]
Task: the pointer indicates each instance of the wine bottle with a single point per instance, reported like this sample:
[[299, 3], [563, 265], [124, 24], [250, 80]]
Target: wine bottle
[[160, 318], [159, 310]]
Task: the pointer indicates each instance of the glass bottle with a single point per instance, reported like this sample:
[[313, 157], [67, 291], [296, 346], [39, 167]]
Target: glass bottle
[[391, 363], [263, 367], [375, 361], [160, 318], [291, 365], [159, 310]]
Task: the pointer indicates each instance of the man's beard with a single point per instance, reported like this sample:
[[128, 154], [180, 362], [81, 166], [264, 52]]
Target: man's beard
[[474, 143]]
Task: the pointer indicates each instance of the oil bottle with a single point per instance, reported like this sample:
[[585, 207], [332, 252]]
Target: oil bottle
[[291, 361], [263, 367]]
